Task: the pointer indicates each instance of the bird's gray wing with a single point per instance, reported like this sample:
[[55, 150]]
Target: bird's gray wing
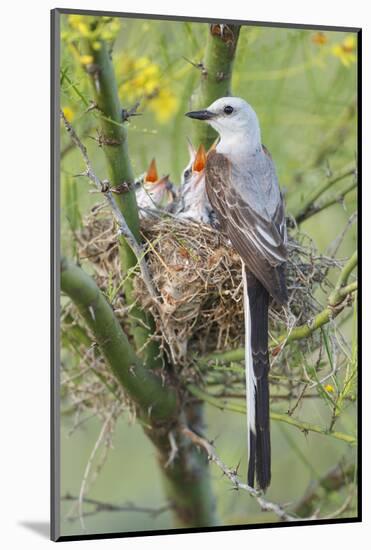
[[258, 237]]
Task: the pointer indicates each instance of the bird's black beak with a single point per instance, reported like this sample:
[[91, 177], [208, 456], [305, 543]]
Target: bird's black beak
[[201, 115]]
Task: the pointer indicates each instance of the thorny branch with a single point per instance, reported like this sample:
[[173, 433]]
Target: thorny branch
[[231, 474], [104, 187], [332, 481]]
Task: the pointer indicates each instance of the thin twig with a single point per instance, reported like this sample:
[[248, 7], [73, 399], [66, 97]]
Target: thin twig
[[342, 508], [173, 450], [84, 482], [332, 482], [305, 427], [100, 506], [104, 187]]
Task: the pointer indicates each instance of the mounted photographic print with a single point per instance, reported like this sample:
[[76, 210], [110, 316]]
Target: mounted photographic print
[[204, 228]]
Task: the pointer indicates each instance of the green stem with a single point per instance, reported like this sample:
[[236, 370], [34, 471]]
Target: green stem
[[216, 75], [114, 142], [229, 356], [113, 136], [337, 199], [156, 400], [299, 205], [336, 305], [235, 407], [187, 478], [343, 277]]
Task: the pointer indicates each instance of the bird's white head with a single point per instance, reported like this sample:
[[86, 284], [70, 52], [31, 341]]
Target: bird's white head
[[235, 121]]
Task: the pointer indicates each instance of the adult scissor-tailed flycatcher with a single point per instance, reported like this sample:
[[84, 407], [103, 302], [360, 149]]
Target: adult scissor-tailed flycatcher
[[152, 191], [243, 189]]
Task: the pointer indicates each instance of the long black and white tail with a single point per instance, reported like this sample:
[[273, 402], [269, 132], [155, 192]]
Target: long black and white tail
[[256, 302]]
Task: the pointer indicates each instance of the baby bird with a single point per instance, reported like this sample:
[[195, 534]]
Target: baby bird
[[193, 202], [153, 192]]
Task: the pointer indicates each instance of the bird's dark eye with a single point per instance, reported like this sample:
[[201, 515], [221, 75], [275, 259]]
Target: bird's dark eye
[[228, 110]]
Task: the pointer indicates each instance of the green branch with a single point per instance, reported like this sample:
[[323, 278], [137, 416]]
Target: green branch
[[234, 407], [300, 205], [113, 133], [337, 199], [192, 502], [113, 140], [156, 400], [336, 304], [343, 278], [229, 356], [216, 74]]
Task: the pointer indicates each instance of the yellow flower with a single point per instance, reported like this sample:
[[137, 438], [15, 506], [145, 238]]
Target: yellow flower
[[345, 50], [349, 43], [68, 113], [137, 83], [144, 83], [106, 34], [83, 29], [329, 388], [319, 38], [96, 45], [164, 105], [75, 20], [144, 79], [150, 86], [141, 62], [86, 59], [152, 70]]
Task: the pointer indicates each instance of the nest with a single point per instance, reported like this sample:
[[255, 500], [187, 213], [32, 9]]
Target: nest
[[198, 278]]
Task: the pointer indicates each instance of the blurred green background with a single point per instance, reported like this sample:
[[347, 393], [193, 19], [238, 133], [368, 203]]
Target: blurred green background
[[302, 84]]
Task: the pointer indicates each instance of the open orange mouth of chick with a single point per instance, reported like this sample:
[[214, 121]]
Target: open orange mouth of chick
[[200, 159], [152, 174], [199, 162], [152, 178]]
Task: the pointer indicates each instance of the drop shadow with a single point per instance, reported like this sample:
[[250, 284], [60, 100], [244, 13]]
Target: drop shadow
[[40, 527]]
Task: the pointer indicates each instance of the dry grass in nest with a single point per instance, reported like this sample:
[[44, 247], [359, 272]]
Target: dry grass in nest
[[198, 278]]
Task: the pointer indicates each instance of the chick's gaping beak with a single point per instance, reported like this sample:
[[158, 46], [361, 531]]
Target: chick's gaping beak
[[152, 175], [201, 115], [200, 159]]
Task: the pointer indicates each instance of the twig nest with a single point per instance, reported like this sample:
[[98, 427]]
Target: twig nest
[[197, 275], [194, 272]]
